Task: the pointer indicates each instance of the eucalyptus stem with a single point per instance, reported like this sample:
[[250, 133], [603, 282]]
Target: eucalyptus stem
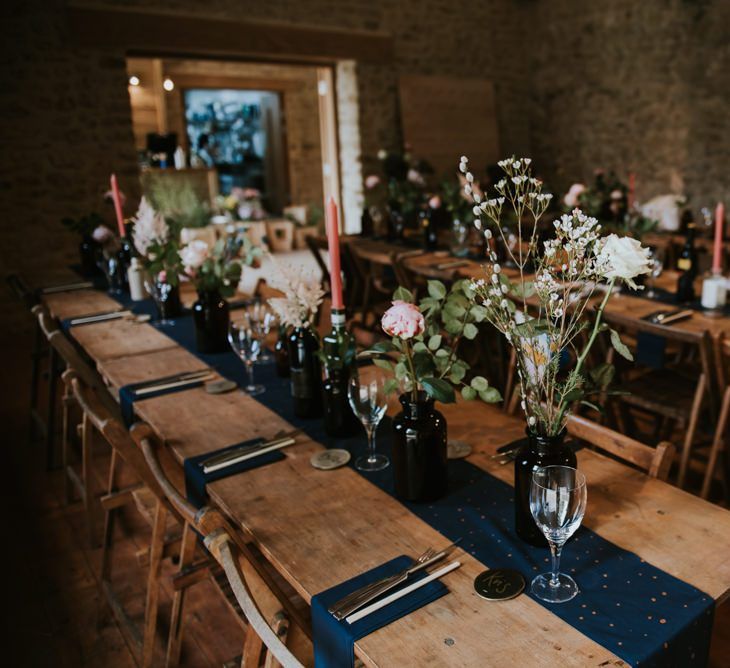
[[409, 358]]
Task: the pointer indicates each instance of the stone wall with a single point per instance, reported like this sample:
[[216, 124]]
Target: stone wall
[[633, 86], [65, 110]]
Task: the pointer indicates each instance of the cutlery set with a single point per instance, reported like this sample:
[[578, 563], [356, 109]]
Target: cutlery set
[[668, 317], [67, 287], [354, 606], [175, 381], [244, 452]]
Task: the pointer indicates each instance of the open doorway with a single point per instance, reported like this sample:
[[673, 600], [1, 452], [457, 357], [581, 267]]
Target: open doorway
[[252, 126]]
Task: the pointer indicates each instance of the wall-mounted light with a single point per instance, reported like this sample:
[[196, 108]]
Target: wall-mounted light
[[168, 84], [134, 80]]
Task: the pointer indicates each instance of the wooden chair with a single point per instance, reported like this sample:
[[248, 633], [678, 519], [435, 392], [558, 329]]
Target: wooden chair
[[718, 448], [147, 497], [678, 392], [316, 245], [654, 461], [269, 593], [82, 481], [405, 276], [376, 274], [280, 234], [29, 298]]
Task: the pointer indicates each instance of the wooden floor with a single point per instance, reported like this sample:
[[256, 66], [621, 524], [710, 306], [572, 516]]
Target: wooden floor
[[52, 608]]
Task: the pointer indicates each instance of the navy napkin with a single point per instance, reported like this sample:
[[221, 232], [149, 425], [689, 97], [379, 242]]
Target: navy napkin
[[196, 479], [128, 395], [334, 640], [650, 350]]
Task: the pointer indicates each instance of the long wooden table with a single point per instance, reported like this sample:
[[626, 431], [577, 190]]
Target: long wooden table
[[319, 528]]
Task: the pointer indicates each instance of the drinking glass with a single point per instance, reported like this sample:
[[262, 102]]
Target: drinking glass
[[109, 266], [368, 399], [657, 265], [247, 346], [557, 503], [161, 293], [261, 319]]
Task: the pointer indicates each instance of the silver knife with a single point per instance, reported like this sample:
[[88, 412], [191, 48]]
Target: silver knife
[[666, 318], [185, 375], [244, 450]]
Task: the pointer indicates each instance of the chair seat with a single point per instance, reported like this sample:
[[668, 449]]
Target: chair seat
[[668, 392]]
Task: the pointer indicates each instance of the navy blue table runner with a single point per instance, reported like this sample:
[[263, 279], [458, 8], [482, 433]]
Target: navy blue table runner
[[196, 479], [638, 612], [334, 640]]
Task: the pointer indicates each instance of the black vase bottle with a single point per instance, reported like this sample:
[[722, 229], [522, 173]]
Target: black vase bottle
[[88, 250], [281, 353], [420, 464], [539, 451], [338, 355], [211, 317], [305, 373], [687, 264], [429, 221]]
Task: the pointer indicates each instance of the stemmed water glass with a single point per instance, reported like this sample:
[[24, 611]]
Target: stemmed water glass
[[368, 399], [557, 503], [247, 346], [657, 265], [109, 265], [261, 319], [162, 294]]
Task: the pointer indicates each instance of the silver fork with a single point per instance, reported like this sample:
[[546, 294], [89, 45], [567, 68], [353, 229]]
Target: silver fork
[[350, 598]]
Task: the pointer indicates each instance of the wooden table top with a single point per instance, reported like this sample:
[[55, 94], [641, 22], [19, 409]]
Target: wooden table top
[[73, 304], [319, 528]]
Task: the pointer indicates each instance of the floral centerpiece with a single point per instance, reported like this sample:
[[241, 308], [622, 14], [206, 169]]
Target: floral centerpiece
[[297, 310], [401, 190], [608, 200], [242, 204], [215, 271], [542, 316], [156, 242], [425, 338]]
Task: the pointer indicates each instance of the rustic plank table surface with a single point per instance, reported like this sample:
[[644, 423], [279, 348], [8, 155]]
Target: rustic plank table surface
[[319, 528]]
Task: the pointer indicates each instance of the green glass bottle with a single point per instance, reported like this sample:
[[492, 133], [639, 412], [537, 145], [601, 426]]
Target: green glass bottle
[[338, 357]]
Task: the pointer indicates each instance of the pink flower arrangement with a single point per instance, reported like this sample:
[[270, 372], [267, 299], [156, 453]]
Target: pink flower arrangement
[[572, 197], [372, 181], [435, 202], [403, 320]]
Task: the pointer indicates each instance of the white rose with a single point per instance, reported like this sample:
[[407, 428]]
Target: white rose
[[194, 254], [624, 258], [573, 195]]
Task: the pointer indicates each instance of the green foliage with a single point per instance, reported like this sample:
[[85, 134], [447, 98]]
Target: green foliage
[[620, 347], [178, 202]]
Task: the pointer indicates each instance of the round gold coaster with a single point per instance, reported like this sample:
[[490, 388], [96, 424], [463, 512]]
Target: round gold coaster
[[330, 459], [220, 386], [458, 449], [499, 584]]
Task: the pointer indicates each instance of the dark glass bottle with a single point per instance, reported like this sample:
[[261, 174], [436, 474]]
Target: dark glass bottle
[[539, 451], [210, 313], [687, 264], [396, 223], [338, 352], [281, 353], [429, 220], [124, 259], [88, 250], [367, 226], [306, 377], [420, 464]]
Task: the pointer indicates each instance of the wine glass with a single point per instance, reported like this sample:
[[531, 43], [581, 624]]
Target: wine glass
[[557, 503], [261, 319], [368, 399], [657, 265], [162, 294], [247, 346], [109, 265]]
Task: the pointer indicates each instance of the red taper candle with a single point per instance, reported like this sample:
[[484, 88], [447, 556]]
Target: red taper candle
[[719, 229], [333, 241], [118, 205]]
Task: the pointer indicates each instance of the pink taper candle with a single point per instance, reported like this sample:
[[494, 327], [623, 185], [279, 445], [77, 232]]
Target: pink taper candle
[[117, 205], [719, 228], [333, 241], [632, 191]]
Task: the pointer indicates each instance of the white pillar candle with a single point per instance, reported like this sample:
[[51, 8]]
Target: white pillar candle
[[714, 292]]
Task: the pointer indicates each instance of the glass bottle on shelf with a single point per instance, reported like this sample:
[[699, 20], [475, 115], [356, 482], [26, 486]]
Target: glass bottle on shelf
[[338, 356]]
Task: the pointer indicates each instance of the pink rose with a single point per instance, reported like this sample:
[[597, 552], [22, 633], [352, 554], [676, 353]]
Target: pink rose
[[162, 276], [372, 181], [435, 202], [573, 195], [403, 320]]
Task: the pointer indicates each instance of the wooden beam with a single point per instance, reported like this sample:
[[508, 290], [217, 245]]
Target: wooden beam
[[141, 31]]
